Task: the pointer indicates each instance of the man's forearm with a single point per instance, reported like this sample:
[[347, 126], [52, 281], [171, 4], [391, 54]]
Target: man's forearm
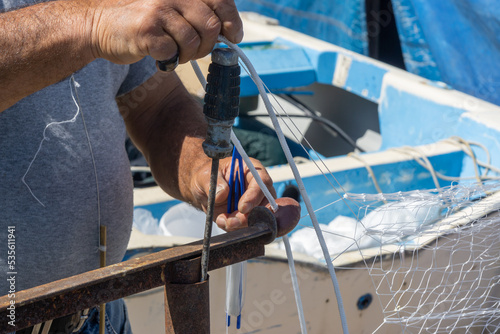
[[169, 128], [41, 45], [175, 151]]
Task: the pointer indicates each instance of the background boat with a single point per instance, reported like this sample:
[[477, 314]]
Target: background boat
[[413, 131]]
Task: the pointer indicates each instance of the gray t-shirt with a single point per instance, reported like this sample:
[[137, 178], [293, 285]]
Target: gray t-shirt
[[64, 170]]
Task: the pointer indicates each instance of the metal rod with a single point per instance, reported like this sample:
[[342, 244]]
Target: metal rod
[[209, 221]]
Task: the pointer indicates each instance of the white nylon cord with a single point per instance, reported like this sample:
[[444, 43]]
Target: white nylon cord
[[198, 73], [288, 249], [46, 138], [298, 179], [73, 84], [295, 284]]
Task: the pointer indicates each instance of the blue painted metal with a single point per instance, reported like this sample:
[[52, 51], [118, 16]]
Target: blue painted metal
[[392, 177], [409, 119], [283, 64], [365, 80], [402, 123], [280, 65]]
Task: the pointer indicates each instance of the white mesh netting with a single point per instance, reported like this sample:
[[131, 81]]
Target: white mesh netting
[[433, 256]]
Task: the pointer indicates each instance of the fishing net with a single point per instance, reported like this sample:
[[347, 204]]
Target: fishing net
[[433, 256]]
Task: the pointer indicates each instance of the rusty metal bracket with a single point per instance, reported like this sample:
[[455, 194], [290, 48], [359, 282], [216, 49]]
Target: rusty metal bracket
[[187, 317], [179, 265]]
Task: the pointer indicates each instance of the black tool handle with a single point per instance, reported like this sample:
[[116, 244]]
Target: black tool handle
[[222, 98]]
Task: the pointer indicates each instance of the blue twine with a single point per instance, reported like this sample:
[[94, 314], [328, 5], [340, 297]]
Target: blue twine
[[236, 189], [236, 182]]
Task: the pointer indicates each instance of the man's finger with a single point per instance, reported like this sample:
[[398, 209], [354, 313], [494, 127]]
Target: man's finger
[[232, 27], [222, 190], [232, 221], [206, 22], [187, 38], [287, 217], [251, 198], [162, 47], [253, 195]]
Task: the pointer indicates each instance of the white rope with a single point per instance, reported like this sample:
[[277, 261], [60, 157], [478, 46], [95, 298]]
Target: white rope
[[198, 73], [465, 146], [456, 140], [368, 169], [295, 284], [298, 179], [421, 159]]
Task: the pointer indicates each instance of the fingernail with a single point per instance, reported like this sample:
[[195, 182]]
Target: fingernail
[[233, 223], [221, 222]]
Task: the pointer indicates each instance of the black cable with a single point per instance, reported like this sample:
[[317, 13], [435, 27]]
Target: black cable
[[299, 104], [327, 124]]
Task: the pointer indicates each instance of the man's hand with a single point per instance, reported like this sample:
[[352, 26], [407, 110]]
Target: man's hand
[[288, 213], [124, 31], [169, 128], [44, 43], [252, 197]]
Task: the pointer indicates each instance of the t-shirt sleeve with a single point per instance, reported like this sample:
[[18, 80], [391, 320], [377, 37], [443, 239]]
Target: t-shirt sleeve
[[138, 73]]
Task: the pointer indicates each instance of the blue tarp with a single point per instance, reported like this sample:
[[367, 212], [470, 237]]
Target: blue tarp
[[454, 41], [341, 22]]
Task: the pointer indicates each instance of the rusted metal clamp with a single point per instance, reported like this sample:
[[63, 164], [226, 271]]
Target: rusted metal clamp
[[174, 266]]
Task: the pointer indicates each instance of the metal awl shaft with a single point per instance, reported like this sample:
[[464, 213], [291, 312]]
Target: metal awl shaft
[[222, 100], [209, 220]]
